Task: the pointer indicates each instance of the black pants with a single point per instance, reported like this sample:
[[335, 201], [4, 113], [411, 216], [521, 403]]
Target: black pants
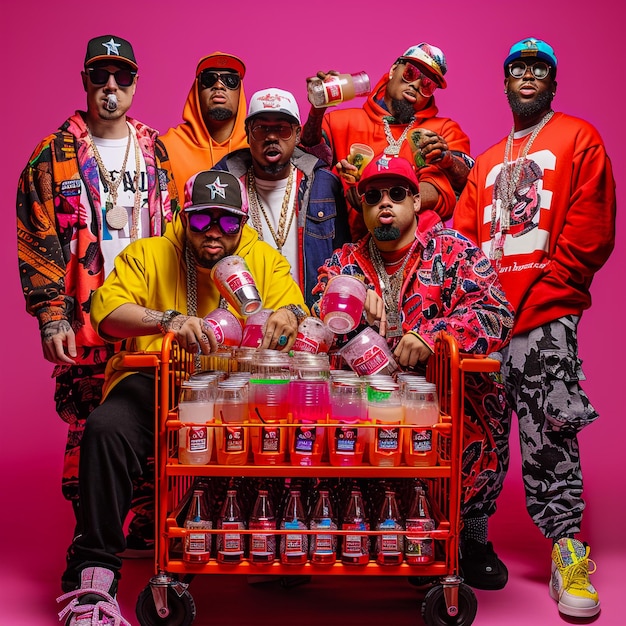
[[116, 446]]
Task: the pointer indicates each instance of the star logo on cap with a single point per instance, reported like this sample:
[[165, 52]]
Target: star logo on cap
[[217, 188], [112, 47]]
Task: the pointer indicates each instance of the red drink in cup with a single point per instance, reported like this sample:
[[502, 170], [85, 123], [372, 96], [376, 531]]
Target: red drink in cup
[[254, 328], [341, 306], [235, 282], [225, 326]]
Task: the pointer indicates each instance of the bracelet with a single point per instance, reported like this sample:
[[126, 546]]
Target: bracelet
[[166, 320], [298, 311]]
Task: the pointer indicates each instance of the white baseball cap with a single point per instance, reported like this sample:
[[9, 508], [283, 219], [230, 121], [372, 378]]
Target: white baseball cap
[[273, 100]]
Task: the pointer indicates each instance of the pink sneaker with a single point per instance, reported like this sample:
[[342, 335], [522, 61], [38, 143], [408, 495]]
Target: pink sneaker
[[92, 604]]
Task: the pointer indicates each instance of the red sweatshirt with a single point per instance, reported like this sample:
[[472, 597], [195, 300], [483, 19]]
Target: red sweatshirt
[[562, 225]]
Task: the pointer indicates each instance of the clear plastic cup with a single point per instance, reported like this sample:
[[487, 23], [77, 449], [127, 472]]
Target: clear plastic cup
[[342, 304], [368, 354], [225, 326], [360, 155], [254, 328], [314, 336], [235, 282]]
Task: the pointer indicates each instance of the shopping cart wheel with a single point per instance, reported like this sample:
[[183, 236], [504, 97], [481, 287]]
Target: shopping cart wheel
[[181, 609], [435, 611]]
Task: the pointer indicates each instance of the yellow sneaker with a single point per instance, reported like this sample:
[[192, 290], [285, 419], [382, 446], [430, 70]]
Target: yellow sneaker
[[569, 583]]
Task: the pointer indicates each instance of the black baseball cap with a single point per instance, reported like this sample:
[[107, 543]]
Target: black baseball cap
[[110, 48]]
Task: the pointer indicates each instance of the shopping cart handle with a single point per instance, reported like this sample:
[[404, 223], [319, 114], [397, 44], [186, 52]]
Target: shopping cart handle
[[478, 363], [138, 360]]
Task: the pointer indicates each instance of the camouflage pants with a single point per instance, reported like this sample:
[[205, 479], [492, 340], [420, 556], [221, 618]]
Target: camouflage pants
[[78, 392], [541, 372]]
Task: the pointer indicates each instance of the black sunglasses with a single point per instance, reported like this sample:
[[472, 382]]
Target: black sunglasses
[[230, 80], [539, 70], [100, 76], [228, 223], [396, 194]]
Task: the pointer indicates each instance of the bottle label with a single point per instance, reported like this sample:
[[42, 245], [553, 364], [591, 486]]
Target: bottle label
[[306, 344], [419, 546], [270, 439], [234, 439], [387, 439], [304, 438], [231, 542], [197, 542], [197, 439], [389, 543], [345, 440], [355, 545], [239, 280], [372, 361], [320, 543], [217, 329], [333, 92], [421, 440], [262, 544], [294, 543]]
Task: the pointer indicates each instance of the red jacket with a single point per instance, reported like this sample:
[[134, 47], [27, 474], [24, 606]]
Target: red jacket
[[563, 226], [343, 127]]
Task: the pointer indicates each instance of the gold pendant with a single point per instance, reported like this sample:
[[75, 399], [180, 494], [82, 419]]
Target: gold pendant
[[116, 216]]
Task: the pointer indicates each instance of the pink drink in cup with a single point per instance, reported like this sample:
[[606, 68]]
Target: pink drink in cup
[[254, 328], [313, 336], [368, 353], [225, 326], [342, 304], [235, 282]]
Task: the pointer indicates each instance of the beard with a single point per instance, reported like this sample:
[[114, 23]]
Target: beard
[[402, 110], [273, 169], [529, 109], [386, 233], [220, 114]]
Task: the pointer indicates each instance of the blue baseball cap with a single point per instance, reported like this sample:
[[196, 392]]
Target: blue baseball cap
[[533, 48]]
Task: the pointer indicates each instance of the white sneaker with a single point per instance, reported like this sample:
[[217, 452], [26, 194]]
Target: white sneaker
[[569, 583]]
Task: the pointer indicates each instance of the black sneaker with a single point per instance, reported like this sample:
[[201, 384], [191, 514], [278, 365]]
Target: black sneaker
[[138, 548], [480, 566]]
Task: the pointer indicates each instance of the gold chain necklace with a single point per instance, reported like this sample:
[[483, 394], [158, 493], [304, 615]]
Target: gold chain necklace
[[256, 205], [390, 286], [394, 146], [507, 186], [115, 215]]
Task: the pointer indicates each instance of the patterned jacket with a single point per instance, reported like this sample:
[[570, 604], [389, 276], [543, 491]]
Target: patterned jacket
[[59, 226], [448, 285]]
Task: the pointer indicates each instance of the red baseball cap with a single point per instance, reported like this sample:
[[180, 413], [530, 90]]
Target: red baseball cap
[[384, 166]]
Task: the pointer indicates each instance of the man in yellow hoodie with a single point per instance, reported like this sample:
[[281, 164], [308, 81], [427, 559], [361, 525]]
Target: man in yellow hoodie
[[161, 287], [213, 118]]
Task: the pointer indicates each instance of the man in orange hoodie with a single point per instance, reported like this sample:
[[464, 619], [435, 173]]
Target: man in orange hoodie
[[400, 109], [213, 118]]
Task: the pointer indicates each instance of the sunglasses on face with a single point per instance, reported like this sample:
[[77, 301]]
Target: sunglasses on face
[[201, 222], [262, 131], [396, 194], [411, 73], [100, 76], [230, 80], [539, 70]]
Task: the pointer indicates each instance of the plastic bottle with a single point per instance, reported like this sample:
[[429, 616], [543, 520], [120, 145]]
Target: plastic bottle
[[323, 546], [390, 548], [262, 544], [421, 408], [195, 410], [419, 548], [337, 88], [384, 408], [346, 443], [231, 410], [231, 545], [294, 546], [198, 544], [355, 550]]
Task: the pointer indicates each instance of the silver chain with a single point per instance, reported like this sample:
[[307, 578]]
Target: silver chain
[[395, 144]]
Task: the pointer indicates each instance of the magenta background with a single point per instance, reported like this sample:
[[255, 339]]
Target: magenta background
[[281, 43]]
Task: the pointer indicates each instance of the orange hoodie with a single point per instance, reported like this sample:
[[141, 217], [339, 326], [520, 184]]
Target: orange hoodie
[[190, 147]]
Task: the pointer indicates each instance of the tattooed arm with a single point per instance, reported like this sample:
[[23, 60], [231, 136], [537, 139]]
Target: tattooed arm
[[58, 342], [133, 320]]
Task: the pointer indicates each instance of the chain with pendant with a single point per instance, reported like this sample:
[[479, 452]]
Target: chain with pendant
[[507, 185], [393, 149], [390, 286]]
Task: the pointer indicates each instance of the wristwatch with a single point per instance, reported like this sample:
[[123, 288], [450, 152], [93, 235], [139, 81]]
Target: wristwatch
[[166, 320], [298, 311]]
